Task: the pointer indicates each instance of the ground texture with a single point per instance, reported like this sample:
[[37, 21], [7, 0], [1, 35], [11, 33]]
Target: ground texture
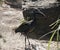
[[9, 20]]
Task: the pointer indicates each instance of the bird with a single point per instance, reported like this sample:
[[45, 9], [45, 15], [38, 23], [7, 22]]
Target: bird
[[30, 21], [25, 29]]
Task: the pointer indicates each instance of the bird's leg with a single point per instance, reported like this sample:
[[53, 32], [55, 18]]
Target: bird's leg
[[29, 45], [25, 42], [27, 48], [28, 41]]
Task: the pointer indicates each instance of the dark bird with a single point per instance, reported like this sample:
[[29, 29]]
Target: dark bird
[[30, 22], [24, 27]]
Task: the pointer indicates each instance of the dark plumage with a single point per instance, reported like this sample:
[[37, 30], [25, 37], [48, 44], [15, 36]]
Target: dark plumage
[[30, 21], [24, 27], [30, 17]]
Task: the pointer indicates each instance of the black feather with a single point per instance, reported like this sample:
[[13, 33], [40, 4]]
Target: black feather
[[24, 27]]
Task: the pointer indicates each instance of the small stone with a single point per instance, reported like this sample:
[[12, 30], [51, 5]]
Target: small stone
[[4, 40], [0, 36]]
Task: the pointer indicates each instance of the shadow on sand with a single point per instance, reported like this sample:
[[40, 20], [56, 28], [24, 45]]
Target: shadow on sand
[[40, 24]]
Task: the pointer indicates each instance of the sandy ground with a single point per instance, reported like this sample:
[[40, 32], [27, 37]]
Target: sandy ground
[[9, 20]]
